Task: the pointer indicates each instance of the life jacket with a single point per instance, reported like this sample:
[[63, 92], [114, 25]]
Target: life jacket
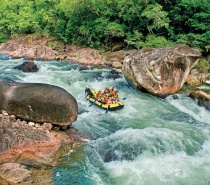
[[111, 91], [105, 100], [116, 95], [98, 95], [106, 90]]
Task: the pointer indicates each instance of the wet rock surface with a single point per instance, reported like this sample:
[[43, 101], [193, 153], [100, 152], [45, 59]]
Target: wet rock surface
[[28, 66]]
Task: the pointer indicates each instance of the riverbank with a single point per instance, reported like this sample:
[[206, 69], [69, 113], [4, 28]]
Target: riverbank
[[29, 149], [48, 48], [37, 47]]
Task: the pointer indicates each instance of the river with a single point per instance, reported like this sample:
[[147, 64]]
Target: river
[[151, 141]]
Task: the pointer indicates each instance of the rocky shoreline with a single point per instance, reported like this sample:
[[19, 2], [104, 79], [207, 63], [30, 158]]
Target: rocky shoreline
[[27, 147], [37, 47]]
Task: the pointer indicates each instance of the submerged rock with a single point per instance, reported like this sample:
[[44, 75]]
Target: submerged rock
[[160, 71], [28, 66]]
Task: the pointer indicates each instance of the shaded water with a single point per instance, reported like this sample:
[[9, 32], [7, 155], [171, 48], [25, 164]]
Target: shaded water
[[150, 141]]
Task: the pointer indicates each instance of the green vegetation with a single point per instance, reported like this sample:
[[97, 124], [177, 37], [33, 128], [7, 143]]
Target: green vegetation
[[203, 65], [98, 23]]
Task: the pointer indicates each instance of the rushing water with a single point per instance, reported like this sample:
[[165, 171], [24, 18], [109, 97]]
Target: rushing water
[[150, 141]]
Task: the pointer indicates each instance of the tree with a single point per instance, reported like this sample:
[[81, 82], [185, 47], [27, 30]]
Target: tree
[[157, 18], [135, 39], [99, 23]]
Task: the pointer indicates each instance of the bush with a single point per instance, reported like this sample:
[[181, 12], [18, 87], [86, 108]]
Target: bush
[[203, 66]]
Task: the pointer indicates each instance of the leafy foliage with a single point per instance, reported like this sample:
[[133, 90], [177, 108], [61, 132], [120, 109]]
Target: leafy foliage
[[98, 23], [203, 65]]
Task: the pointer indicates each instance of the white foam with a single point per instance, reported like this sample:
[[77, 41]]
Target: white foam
[[208, 82], [161, 170], [189, 106], [86, 140]]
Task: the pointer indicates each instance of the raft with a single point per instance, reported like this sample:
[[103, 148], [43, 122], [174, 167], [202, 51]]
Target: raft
[[113, 106]]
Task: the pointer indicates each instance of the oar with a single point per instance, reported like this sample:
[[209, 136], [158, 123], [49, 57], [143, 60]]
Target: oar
[[107, 109], [92, 103]]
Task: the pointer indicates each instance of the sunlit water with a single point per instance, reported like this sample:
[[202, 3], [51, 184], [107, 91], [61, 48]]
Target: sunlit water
[[151, 141]]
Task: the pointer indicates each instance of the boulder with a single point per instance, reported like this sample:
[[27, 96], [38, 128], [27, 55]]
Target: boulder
[[117, 65], [28, 153], [83, 67], [202, 97], [160, 71], [22, 143], [117, 46], [117, 56], [195, 79], [14, 173], [38, 103], [28, 66]]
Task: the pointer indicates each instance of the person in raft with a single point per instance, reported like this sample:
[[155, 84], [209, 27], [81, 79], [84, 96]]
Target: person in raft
[[99, 95], [110, 95], [106, 90], [88, 91], [111, 90], [116, 97]]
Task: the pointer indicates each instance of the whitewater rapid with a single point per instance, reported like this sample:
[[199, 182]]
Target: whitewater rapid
[[150, 141]]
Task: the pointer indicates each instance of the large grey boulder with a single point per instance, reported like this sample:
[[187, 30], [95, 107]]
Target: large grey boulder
[[38, 103], [160, 71]]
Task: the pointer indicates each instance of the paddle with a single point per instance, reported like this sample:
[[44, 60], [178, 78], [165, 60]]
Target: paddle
[[92, 103], [124, 99], [107, 109]]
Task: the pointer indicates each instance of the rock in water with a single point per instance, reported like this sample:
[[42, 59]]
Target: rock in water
[[160, 71], [28, 66], [202, 97], [38, 103]]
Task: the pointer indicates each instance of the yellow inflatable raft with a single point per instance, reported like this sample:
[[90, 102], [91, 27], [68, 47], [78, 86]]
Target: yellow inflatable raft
[[113, 106]]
